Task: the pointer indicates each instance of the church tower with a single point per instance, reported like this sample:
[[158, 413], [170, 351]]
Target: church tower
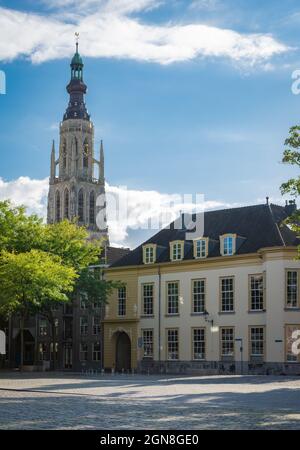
[[73, 189]]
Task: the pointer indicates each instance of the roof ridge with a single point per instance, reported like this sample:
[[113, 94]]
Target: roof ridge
[[277, 206], [236, 207]]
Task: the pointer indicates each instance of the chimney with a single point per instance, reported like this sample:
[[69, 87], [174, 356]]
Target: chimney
[[290, 207]]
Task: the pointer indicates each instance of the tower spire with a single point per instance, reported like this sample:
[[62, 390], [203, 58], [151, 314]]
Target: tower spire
[[76, 88], [77, 40], [73, 190], [53, 164]]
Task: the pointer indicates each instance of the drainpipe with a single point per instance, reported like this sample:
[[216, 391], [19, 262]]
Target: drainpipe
[[159, 315]]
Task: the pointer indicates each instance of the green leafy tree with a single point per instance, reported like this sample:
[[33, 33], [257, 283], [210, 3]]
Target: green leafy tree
[[71, 243], [291, 156], [30, 281], [18, 231]]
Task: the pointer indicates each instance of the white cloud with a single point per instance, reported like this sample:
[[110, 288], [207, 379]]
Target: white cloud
[[149, 210], [209, 5], [142, 206], [25, 191], [115, 6], [108, 29]]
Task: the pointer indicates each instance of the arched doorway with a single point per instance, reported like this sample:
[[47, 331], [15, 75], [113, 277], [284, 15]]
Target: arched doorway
[[123, 352], [28, 349]]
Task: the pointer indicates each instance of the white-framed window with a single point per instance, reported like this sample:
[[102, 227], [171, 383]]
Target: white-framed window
[[43, 329], [227, 294], [122, 301], [257, 341], [176, 251], [227, 342], [96, 325], [43, 351], [256, 292], [55, 351], [56, 326], [149, 254], [83, 325], [198, 300], [148, 297], [83, 351], [228, 245], [96, 351], [199, 344], [200, 248], [172, 345], [83, 302], [172, 297], [292, 289], [148, 343]]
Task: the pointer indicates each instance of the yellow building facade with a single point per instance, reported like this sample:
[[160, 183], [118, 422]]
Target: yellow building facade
[[207, 307]]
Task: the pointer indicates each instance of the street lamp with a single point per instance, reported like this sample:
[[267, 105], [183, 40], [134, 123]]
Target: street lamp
[[206, 317], [240, 340]]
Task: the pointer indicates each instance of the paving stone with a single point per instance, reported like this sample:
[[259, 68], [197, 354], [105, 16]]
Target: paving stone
[[59, 401]]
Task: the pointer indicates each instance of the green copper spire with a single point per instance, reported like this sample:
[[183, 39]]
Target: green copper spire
[[76, 63], [77, 60]]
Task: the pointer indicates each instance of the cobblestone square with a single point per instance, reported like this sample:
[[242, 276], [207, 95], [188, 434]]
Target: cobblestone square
[[40, 401]]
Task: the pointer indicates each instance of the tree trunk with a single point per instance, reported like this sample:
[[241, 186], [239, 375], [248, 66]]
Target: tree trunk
[[53, 345], [22, 342], [36, 348]]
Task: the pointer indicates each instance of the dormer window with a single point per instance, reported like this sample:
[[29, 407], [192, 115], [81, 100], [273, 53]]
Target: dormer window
[[201, 248], [228, 244], [176, 250], [149, 254]]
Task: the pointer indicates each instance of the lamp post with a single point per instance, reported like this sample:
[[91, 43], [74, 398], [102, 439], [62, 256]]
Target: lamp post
[[206, 317], [240, 340]]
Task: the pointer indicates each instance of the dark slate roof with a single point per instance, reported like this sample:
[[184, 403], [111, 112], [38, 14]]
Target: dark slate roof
[[256, 227], [114, 254]]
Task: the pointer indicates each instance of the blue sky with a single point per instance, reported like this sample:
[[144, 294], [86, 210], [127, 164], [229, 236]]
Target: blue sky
[[188, 96]]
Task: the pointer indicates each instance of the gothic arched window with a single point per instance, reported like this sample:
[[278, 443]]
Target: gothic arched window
[[85, 161], [92, 207], [81, 206], [57, 207], [75, 152], [66, 204], [64, 155]]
